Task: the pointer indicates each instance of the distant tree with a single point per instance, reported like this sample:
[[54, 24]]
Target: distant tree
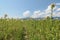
[[47, 17], [5, 16]]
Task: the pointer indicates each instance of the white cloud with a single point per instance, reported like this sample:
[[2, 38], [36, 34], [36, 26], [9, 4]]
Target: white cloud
[[57, 3], [48, 10], [45, 13], [57, 14], [58, 9], [36, 14], [26, 13]]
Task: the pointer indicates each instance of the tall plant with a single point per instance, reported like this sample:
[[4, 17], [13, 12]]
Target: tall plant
[[52, 7]]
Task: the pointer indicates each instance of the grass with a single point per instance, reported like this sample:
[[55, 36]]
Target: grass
[[13, 29]]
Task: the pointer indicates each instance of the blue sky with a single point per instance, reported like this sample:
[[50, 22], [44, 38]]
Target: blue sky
[[17, 7]]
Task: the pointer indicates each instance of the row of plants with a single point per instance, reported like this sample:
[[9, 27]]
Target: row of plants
[[12, 29]]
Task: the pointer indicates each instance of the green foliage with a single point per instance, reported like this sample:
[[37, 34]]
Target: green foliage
[[12, 29]]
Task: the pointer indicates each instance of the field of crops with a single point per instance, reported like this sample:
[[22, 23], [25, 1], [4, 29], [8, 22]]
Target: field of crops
[[12, 29]]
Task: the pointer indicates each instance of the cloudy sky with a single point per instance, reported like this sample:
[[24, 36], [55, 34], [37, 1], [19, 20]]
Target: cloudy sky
[[28, 8]]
